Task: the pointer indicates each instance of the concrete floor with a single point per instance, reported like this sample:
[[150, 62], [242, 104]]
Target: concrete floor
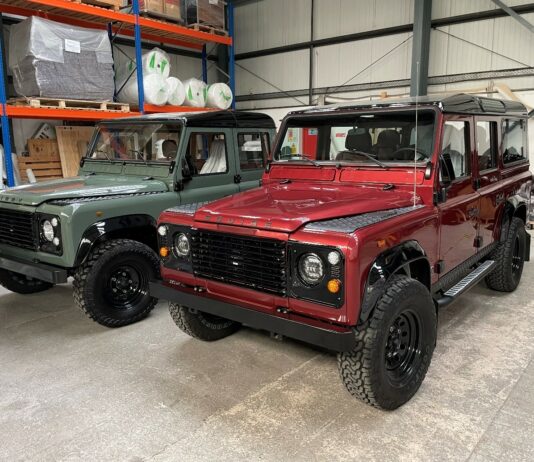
[[73, 390]]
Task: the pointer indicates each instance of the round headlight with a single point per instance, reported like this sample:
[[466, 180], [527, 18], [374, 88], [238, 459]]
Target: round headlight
[[162, 230], [181, 245], [48, 231], [311, 268], [333, 257]]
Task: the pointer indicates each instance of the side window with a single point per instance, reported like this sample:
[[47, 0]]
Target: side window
[[253, 150], [455, 147], [486, 145], [513, 140], [206, 153]]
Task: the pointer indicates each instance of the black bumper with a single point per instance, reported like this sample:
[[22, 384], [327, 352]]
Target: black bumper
[[330, 339], [34, 270]]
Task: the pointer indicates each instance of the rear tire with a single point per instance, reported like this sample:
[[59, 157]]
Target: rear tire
[[21, 284], [202, 326], [510, 258], [111, 287], [394, 348]]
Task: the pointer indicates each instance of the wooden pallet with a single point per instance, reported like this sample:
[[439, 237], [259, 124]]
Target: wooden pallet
[[208, 29], [75, 104], [161, 17], [112, 4], [44, 160]]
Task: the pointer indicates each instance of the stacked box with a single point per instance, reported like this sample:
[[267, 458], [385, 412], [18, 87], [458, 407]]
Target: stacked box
[[55, 60], [172, 9], [151, 6], [204, 12]]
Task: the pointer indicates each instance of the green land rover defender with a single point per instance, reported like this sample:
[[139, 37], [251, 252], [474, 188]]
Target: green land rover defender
[[100, 227]]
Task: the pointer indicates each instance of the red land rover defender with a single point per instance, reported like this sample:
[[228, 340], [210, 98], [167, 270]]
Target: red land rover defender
[[370, 218]]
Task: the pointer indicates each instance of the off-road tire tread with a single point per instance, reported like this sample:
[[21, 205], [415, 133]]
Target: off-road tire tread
[[192, 324], [82, 273], [355, 366], [30, 287], [500, 278]]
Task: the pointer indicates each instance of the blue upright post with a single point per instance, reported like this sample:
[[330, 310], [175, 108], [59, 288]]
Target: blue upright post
[[4, 120], [231, 51], [138, 56], [111, 39], [204, 64]]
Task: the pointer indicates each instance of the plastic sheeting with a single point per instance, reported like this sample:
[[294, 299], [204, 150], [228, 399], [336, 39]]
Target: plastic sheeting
[[176, 91], [219, 96], [155, 88], [195, 93], [56, 60]]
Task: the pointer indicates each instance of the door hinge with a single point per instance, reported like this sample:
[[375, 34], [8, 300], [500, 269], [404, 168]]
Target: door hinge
[[237, 179], [476, 183], [478, 242], [439, 267]]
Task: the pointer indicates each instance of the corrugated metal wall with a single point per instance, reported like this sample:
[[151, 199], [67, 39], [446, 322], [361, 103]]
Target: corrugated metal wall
[[477, 46]]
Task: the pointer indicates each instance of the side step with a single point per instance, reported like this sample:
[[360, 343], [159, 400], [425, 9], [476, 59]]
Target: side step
[[471, 280]]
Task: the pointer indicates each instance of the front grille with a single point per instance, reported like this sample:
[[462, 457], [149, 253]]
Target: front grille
[[251, 262], [17, 229]]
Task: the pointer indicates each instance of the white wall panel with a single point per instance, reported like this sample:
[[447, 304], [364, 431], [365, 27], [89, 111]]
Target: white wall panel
[[445, 8], [271, 23], [288, 71], [341, 17], [338, 63]]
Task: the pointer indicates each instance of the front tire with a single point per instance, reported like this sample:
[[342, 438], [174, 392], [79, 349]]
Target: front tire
[[111, 287], [510, 258], [394, 349], [202, 326], [21, 284]]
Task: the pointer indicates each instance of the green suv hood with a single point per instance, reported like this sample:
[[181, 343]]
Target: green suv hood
[[79, 187]]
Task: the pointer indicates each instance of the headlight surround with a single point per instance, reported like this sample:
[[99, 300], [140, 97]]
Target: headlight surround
[[182, 246], [311, 268], [48, 230]]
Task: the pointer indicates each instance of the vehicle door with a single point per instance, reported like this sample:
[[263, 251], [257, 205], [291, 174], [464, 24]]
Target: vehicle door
[[487, 176], [253, 146], [459, 204], [205, 169]]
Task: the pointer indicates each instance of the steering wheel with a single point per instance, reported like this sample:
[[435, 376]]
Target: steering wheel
[[409, 148]]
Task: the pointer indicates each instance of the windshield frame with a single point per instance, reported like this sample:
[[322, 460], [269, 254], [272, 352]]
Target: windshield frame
[[331, 114], [123, 122]]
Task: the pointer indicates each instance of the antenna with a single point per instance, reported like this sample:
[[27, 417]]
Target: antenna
[[416, 137]]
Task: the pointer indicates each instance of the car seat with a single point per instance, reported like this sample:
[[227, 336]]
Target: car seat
[[216, 162], [454, 145], [387, 143], [358, 139]]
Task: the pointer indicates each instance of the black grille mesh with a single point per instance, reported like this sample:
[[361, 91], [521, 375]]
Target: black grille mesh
[[17, 229], [251, 262]]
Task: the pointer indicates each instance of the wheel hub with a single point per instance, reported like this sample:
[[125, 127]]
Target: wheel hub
[[124, 285]]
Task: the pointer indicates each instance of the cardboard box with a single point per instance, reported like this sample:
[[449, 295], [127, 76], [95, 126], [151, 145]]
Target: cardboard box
[[204, 12], [151, 6], [172, 9]]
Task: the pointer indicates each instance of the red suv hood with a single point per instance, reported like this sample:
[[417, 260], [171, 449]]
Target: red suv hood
[[286, 207]]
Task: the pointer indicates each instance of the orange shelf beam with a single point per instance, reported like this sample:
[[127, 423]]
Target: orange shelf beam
[[24, 112], [150, 108]]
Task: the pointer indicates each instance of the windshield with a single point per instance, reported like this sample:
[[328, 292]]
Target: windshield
[[154, 142], [373, 138]]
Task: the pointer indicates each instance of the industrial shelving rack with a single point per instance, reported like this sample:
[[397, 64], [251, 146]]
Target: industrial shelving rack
[[116, 23]]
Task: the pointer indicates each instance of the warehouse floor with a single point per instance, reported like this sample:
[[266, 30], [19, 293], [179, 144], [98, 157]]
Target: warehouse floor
[[71, 389]]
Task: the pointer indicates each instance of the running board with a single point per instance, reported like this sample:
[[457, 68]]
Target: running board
[[471, 280]]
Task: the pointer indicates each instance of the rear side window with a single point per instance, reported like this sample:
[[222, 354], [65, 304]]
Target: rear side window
[[513, 140], [486, 145], [456, 146], [253, 150]]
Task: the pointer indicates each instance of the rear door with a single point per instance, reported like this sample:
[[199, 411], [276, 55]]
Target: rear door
[[208, 156], [487, 176], [253, 147], [459, 211]]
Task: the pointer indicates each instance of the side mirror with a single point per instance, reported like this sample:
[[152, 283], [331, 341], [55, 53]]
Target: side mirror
[[186, 171]]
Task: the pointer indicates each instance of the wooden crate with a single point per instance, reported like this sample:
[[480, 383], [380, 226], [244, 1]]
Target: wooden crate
[[44, 160], [113, 4], [72, 143], [75, 104]]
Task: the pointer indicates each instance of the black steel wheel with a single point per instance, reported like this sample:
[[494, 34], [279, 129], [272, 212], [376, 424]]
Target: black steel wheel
[[509, 258], [393, 348], [21, 284], [111, 287]]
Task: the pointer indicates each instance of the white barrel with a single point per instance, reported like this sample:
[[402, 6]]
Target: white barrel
[[176, 91], [219, 96], [195, 93]]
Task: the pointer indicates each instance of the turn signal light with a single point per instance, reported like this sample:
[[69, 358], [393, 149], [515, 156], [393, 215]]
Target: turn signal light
[[163, 252], [333, 286]]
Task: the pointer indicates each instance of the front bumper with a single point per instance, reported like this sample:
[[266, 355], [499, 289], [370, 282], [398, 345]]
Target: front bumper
[[35, 270], [326, 338]]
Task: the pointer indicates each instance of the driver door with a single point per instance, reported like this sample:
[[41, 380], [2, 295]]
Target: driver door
[[206, 167], [459, 210]]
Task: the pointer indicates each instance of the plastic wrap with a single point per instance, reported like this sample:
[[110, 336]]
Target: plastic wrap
[[176, 91], [219, 96], [206, 12], [55, 60], [195, 93], [155, 89]]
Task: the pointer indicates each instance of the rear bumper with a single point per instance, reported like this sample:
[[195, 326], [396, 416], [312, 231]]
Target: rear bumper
[[329, 339], [40, 271]]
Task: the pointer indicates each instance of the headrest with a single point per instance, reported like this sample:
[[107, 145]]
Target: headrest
[[358, 139], [388, 139]]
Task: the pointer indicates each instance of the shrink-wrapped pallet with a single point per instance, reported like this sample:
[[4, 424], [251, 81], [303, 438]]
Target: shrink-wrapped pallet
[[204, 12], [55, 60]]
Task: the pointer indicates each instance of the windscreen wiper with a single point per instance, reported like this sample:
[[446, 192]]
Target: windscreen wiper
[[367, 156], [99, 151], [298, 158]]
